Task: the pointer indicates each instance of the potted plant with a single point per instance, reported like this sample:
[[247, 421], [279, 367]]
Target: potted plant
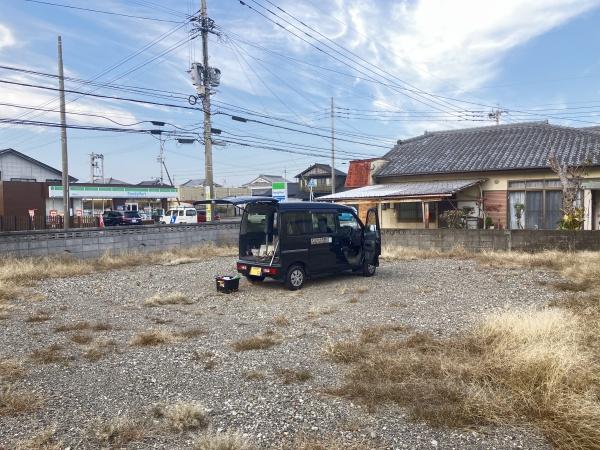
[[489, 223]]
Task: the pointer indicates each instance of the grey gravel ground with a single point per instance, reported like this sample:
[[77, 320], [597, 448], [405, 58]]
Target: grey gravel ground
[[439, 296]]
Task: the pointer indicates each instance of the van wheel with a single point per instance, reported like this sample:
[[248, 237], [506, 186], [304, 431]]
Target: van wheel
[[368, 269], [255, 279], [295, 277]]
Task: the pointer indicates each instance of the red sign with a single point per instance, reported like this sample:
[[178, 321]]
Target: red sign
[[79, 213], [31, 213]]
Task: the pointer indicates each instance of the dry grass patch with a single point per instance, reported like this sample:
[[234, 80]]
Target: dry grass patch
[[345, 351], [258, 342], [375, 333], [82, 338], [223, 441], [353, 300], [174, 298], [49, 355], [83, 326], [38, 316], [191, 333], [281, 321], [11, 369], [152, 337], [316, 312], [395, 252], [305, 442], [24, 271], [534, 366], [182, 416], [290, 376], [100, 349], [119, 431], [254, 375], [525, 365], [45, 440], [207, 359], [15, 401]]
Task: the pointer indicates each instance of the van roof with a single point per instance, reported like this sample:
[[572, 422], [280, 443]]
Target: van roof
[[301, 206]]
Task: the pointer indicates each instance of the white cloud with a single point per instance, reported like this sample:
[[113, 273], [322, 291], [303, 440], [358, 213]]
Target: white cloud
[[6, 37], [463, 42]]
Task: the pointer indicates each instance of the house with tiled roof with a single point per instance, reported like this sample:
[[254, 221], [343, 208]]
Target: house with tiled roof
[[501, 172], [318, 177]]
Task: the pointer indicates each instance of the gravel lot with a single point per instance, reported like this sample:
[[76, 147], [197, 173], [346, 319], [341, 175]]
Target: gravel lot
[[439, 296]]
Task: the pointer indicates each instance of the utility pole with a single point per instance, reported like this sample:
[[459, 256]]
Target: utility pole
[[496, 114], [332, 147], [161, 158], [208, 166], [63, 139]]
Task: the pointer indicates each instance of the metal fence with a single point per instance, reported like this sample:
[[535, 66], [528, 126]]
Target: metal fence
[[27, 223]]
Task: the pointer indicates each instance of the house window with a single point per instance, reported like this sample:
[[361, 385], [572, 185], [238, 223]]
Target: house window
[[534, 204], [29, 180], [412, 211]]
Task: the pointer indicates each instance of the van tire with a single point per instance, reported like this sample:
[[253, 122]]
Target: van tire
[[295, 277], [255, 279], [368, 270]]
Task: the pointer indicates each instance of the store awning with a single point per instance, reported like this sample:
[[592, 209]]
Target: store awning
[[408, 190]]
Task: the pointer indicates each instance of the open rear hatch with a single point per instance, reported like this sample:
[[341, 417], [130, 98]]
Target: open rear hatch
[[259, 228]]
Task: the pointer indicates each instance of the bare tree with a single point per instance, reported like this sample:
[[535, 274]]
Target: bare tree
[[571, 178]]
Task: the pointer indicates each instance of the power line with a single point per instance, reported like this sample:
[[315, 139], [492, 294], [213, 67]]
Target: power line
[[398, 88], [414, 89], [101, 11]]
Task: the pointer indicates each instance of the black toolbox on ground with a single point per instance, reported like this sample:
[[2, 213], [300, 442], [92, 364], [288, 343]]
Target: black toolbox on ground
[[227, 285]]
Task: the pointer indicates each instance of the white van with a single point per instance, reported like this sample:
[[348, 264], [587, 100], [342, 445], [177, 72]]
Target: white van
[[180, 214]]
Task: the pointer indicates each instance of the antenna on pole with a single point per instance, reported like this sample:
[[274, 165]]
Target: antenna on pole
[[96, 168], [496, 115]]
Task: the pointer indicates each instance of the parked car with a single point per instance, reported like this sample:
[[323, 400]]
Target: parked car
[[131, 218], [292, 241], [180, 214], [202, 215], [113, 218]]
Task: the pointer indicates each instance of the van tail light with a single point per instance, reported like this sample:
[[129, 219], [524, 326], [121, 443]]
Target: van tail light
[[269, 271], [242, 267]]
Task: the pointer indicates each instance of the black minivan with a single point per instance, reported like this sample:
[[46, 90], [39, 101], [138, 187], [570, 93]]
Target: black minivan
[[291, 241]]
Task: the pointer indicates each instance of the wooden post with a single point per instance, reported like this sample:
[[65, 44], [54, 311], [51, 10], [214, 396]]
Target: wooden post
[[425, 206]]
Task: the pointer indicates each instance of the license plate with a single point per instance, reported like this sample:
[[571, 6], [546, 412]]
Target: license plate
[[255, 271]]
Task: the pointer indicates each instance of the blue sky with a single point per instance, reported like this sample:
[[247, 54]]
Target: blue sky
[[537, 59]]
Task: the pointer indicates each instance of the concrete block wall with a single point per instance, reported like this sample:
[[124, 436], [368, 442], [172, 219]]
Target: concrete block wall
[[502, 240], [94, 242], [445, 240]]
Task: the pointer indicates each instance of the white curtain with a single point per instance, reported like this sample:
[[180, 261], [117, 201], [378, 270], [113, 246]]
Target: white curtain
[[514, 198]]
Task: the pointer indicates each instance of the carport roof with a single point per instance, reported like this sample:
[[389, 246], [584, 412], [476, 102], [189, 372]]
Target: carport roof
[[416, 189]]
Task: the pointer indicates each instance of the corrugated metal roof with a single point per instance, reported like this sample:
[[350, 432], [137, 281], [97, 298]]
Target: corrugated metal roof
[[399, 190]]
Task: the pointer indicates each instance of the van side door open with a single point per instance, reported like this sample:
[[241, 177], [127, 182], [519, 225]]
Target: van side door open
[[372, 238]]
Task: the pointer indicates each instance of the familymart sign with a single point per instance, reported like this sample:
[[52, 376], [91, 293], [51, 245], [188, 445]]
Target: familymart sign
[[113, 192]]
